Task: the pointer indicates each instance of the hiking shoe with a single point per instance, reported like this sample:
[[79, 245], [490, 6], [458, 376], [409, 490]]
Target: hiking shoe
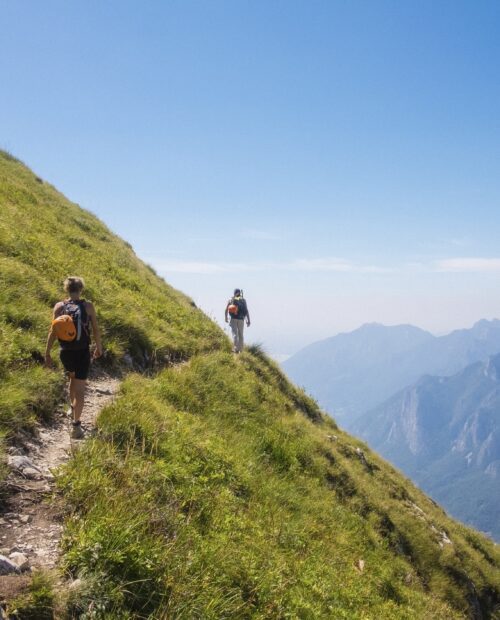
[[77, 431]]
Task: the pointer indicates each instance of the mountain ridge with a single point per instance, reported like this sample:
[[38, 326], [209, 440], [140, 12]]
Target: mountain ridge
[[353, 372], [443, 431]]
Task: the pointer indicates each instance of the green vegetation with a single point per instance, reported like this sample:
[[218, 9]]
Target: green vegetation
[[37, 602], [211, 495], [44, 238], [214, 488]]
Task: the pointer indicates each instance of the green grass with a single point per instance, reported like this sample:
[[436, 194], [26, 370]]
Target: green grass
[[214, 489], [44, 238], [209, 493], [37, 602]]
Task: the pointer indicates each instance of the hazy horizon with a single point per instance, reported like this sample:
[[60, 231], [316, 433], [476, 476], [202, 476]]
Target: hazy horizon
[[338, 161], [281, 343]]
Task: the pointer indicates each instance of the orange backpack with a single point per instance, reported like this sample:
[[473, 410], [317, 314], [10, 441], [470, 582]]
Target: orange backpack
[[64, 328], [233, 309]]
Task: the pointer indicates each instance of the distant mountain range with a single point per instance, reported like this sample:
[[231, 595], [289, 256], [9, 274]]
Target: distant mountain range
[[354, 372], [430, 405], [444, 432]]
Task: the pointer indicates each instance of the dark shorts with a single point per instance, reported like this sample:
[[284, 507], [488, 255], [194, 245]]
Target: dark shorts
[[76, 361]]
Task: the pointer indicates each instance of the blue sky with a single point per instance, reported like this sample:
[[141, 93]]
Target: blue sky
[[340, 161]]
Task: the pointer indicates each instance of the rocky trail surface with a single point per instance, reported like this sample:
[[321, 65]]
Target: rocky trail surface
[[31, 521]]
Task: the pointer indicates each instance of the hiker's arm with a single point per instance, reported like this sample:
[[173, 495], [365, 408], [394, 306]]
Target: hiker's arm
[[57, 309], [48, 347], [225, 313], [247, 314], [95, 329]]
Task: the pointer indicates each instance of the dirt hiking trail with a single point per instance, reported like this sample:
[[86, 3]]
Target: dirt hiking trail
[[31, 520]]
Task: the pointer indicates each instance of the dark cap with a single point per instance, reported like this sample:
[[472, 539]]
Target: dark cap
[[237, 291]]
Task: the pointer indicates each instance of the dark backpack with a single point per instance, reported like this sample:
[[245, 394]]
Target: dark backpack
[[78, 313], [242, 307]]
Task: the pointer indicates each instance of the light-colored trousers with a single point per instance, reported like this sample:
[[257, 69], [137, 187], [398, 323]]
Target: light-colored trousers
[[237, 326]]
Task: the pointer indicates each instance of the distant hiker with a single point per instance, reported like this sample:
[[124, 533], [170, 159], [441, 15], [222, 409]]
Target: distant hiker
[[71, 326], [237, 308]]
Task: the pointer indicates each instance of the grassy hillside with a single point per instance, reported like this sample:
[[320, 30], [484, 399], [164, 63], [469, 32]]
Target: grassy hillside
[[214, 488], [44, 238]]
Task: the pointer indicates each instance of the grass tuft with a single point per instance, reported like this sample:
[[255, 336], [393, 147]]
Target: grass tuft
[[37, 602]]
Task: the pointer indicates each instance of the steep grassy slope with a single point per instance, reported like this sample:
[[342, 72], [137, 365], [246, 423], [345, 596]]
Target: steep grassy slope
[[218, 491], [214, 489], [44, 238]]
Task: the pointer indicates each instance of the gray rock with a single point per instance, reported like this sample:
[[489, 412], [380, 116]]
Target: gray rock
[[31, 473], [362, 458], [22, 464], [20, 560], [13, 451], [25, 518], [75, 585], [19, 462], [7, 567], [444, 539], [16, 549]]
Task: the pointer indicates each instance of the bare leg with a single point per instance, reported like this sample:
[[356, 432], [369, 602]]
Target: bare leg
[[72, 390], [79, 399]]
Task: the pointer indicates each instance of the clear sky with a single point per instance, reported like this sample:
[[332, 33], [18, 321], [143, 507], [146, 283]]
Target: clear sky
[[339, 160]]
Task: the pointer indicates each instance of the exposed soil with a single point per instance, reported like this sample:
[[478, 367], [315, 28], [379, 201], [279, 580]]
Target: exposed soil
[[31, 521]]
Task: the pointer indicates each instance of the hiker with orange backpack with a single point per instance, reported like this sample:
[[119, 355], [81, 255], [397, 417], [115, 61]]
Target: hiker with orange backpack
[[238, 309], [71, 323]]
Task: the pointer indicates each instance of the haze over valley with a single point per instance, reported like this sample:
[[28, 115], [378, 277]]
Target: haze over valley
[[428, 404]]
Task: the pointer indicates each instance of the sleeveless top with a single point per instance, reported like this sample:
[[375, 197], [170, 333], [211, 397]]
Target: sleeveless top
[[77, 311]]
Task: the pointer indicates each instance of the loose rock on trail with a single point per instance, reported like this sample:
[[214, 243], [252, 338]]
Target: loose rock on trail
[[31, 520]]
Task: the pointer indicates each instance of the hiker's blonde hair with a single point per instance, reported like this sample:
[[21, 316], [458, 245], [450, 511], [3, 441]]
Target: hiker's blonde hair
[[74, 284]]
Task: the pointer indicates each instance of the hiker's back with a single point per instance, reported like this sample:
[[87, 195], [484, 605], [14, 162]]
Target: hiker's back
[[241, 306], [77, 310]]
